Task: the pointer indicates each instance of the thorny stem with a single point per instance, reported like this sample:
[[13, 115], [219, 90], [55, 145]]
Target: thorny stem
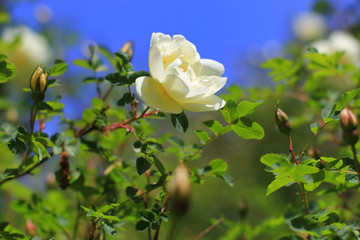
[[145, 200], [207, 230], [302, 188], [357, 166], [292, 152]]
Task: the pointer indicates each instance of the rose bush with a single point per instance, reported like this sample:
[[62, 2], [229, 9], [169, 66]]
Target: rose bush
[[179, 78]]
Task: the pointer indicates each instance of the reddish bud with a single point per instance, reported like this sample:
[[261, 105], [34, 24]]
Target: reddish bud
[[30, 227], [282, 121], [348, 119]]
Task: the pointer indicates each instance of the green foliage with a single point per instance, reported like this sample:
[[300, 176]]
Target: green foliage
[[115, 161], [7, 69]]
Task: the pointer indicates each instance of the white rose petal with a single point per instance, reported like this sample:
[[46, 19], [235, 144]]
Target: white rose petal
[[211, 103], [151, 91], [180, 79], [211, 67]]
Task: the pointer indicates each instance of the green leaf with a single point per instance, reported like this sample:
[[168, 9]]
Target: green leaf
[[346, 98], [142, 225], [279, 182], [109, 230], [126, 99], [275, 162], [214, 126], [17, 146], [59, 68], [82, 63], [142, 165], [218, 166], [158, 164], [228, 179], [117, 79], [305, 224], [136, 75], [7, 70], [180, 122], [248, 129], [204, 137], [3, 57], [245, 107], [40, 150], [229, 111], [283, 69]]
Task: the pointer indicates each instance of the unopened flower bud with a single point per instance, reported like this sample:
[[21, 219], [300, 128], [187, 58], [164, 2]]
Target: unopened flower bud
[[348, 119], [39, 83], [282, 121], [350, 137], [128, 48], [179, 190], [30, 227]]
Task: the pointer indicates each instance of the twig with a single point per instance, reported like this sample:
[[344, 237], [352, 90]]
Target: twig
[[156, 236], [207, 230], [357, 166], [107, 93], [24, 173]]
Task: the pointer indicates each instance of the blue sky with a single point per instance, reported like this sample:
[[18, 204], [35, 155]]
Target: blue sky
[[221, 30]]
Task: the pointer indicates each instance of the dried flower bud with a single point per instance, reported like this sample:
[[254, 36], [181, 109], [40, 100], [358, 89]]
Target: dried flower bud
[[179, 190], [348, 119], [350, 137], [39, 83], [128, 48], [315, 153], [282, 121], [242, 209]]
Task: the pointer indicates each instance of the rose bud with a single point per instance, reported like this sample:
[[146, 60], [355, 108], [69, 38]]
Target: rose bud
[[30, 227], [39, 83], [128, 48], [348, 120], [350, 137], [179, 190], [282, 121]]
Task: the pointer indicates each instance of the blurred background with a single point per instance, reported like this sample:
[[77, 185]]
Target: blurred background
[[239, 34]]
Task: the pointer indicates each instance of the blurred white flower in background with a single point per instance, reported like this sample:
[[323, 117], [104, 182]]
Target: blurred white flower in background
[[309, 26], [340, 41], [31, 44]]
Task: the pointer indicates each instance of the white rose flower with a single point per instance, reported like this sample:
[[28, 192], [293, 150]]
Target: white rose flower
[[179, 78], [309, 26], [31, 43], [340, 41]]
